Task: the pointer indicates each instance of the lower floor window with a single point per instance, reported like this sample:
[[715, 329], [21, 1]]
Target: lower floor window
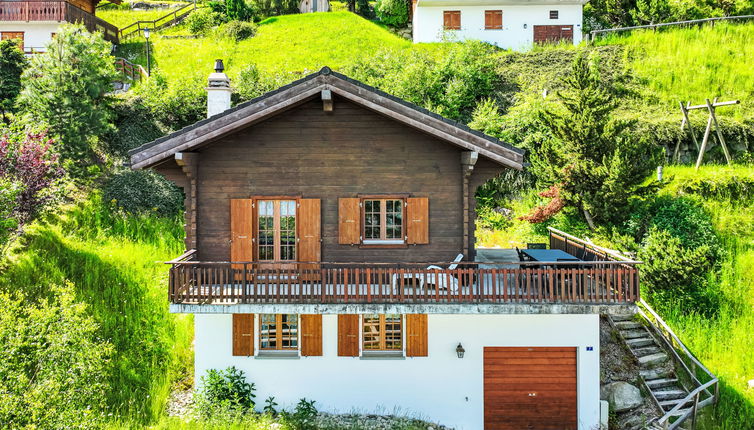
[[278, 332], [383, 332]]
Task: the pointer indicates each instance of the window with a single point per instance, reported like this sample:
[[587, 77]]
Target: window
[[383, 221], [493, 20], [451, 19], [278, 332], [276, 224], [553, 14], [382, 332]]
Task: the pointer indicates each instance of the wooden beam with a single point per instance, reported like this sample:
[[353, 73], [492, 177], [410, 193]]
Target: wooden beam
[[703, 148], [189, 163], [714, 104], [327, 103], [711, 109]]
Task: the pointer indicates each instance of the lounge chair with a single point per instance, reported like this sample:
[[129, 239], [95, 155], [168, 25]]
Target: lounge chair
[[439, 280]]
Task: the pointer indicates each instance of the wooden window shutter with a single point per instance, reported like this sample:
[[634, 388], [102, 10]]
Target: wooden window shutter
[[241, 230], [447, 20], [348, 335], [309, 230], [456, 20], [417, 220], [311, 335], [416, 335], [493, 19], [243, 335], [349, 221]]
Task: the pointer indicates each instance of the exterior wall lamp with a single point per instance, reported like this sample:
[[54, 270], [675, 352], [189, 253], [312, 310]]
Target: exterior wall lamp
[[524, 25], [459, 350]]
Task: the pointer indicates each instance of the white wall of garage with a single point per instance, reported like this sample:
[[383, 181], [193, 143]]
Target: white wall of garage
[[440, 387]]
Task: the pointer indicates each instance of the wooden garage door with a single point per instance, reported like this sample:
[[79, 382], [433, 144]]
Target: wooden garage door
[[553, 33], [530, 388]]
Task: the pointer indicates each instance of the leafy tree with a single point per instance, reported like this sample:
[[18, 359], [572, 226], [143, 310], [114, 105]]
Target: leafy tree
[[53, 365], [651, 11], [237, 10], [594, 162], [12, 63], [392, 12], [66, 89]]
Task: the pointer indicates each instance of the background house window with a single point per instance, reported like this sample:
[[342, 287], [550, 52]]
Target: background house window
[[382, 332], [276, 224], [553, 14], [278, 332], [493, 20], [451, 19], [383, 221], [18, 36]]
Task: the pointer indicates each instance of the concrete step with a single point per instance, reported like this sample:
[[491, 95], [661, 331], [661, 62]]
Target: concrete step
[[653, 360], [641, 352], [661, 382], [640, 341], [627, 325], [668, 404], [648, 374], [622, 317], [671, 394], [633, 334]]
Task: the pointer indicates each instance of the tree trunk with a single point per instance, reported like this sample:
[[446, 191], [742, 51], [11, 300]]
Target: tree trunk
[[589, 219]]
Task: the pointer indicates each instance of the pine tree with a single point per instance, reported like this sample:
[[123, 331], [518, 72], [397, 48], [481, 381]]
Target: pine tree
[[12, 63], [362, 8]]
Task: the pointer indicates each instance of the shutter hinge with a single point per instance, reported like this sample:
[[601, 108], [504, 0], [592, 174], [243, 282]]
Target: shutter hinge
[[359, 204], [361, 238]]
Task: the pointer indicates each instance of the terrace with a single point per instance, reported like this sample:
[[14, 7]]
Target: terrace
[[56, 11], [594, 280]]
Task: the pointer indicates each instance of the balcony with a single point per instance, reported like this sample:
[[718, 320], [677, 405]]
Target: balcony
[[36, 11], [599, 278]]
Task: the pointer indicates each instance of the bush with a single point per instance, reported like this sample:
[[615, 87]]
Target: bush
[[225, 390], [200, 21], [143, 191], [238, 30], [303, 417], [53, 365], [12, 63], [175, 104], [392, 12], [135, 125]]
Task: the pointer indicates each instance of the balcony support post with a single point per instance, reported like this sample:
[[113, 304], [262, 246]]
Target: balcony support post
[[189, 163], [468, 161]]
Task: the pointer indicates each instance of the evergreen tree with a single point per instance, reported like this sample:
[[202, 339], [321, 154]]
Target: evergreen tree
[[593, 163], [12, 63], [237, 10], [66, 90], [362, 8]]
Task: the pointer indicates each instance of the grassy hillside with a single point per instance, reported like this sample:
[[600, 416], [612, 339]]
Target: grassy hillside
[[113, 262]]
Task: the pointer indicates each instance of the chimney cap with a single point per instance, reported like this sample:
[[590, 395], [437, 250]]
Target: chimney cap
[[219, 67]]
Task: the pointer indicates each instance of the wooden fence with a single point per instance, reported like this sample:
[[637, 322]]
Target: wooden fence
[[594, 33], [164, 21], [134, 72]]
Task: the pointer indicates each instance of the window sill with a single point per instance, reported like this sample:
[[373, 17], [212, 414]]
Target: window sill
[[382, 355], [383, 246], [273, 355]]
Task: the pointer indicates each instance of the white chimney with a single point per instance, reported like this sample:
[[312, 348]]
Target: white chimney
[[218, 91]]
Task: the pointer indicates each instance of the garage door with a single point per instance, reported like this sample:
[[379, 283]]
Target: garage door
[[553, 33], [530, 388]]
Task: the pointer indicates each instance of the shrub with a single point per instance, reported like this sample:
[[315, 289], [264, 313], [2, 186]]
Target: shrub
[[238, 30], [266, 8], [303, 417], [225, 390], [493, 218], [200, 21], [252, 83], [53, 365], [143, 191], [135, 125], [12, 63], [392, 12], [174, 104]]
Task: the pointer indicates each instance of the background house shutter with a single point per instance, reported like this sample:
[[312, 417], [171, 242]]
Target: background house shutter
[[241, 230], [416, 335], [243, 334], [348, 335], [417, 220], [311, 335], [455, 22], [488, 19], [349, 221], [447, 22]]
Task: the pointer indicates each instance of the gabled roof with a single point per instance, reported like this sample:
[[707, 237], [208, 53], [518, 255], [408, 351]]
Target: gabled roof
[[267, 105]]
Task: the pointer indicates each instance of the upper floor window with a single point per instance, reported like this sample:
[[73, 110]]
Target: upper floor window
[[276, 230], [553, 14], [493, 20], [278, 332], [382, 332], [383, 220], [451, 19]]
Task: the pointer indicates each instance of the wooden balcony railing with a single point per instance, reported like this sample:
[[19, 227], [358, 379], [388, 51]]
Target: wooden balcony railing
[[55, 11], [594, 282]]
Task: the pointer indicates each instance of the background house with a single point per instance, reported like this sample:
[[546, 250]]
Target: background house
[[34, 23], [509, 24]]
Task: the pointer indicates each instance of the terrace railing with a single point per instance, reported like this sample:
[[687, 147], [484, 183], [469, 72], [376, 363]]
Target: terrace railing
[[56, 11], [595, 282]]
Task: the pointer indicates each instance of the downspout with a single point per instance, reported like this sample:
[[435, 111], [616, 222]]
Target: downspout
[[468, 160]]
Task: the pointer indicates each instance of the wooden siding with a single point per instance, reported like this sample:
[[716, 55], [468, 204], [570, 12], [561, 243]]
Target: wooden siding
[[330, 155], [530, 388]]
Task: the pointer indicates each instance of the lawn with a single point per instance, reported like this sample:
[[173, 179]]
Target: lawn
[[290, 43], [123, 16]]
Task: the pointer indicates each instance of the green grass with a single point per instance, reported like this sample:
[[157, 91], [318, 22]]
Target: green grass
[[122, 17], [694, 63], [113, 261], [290, 43]]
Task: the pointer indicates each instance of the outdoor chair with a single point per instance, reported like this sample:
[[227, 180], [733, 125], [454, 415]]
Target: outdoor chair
[[439, 280], [536, 245]]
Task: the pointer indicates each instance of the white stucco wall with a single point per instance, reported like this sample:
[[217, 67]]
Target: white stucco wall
[[440, 387], [428, 23], [36, 34]]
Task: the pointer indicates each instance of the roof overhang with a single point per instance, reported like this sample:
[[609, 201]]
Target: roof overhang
[[270, 104]]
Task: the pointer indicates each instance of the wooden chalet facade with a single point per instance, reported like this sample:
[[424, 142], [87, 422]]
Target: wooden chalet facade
[[321, 222]]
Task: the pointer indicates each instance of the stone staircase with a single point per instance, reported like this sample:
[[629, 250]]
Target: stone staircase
[[656, 368]]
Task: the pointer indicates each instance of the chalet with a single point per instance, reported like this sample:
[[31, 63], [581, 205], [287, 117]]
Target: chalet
[[509, 24], [331, 256], [33, 23]]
